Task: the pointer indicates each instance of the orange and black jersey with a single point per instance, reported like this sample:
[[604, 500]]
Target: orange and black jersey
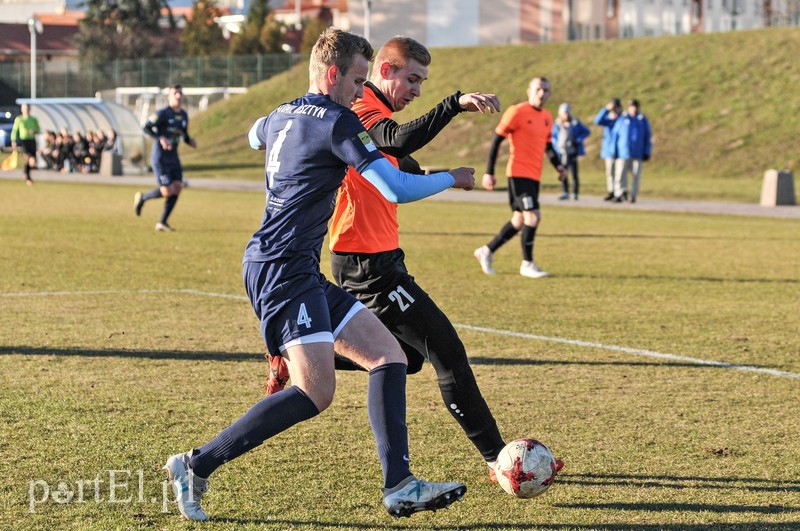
[[363, 220], [529, 132]]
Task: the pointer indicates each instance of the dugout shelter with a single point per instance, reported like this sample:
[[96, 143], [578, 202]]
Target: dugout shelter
[[93, 114]]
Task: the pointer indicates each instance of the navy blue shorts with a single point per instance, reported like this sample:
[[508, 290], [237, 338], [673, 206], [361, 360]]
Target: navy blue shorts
[[523, 194], [295, 303], [167, 174]]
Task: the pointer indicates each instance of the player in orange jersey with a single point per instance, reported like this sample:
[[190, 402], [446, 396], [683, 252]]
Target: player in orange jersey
[[528, 126], [366, 257]]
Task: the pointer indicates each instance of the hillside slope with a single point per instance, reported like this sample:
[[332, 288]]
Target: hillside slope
[[723, 107]]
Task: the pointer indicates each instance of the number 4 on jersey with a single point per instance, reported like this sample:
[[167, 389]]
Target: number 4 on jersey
[[302, 316]]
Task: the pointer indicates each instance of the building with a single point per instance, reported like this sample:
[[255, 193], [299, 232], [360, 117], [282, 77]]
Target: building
[[481, 22]]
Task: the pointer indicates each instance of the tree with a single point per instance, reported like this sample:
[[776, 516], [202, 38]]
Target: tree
[[247, 40], [271, 37], [123, 29], [311, 33], [203, 36]]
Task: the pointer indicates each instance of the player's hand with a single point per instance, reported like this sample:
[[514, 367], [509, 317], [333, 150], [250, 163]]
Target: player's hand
[[464, 177], [479, 102], [165, 144], [193, 143], [562, 173], [488, 181]]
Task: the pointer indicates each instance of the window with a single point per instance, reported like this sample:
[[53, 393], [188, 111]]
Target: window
[[610, 8]]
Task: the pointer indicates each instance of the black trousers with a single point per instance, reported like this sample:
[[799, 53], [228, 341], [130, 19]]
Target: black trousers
[[382, 283]]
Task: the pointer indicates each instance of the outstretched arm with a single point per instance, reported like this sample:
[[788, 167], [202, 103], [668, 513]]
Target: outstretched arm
[[401, 187], [401, 140]]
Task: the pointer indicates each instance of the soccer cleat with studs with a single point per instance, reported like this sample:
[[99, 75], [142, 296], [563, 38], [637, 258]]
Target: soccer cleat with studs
[[163, 227], [138, 203], [531, 270], [414, 495], [278, 374], [188, 487], [484, 256]]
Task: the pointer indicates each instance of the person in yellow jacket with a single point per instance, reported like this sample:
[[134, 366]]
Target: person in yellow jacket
[[23, 136]]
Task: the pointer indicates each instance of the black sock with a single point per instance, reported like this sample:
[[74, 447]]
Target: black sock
[[155, 193], [528, 234], [270, 416], [386, 408], [27, 171], [169, 204], [506, 233]]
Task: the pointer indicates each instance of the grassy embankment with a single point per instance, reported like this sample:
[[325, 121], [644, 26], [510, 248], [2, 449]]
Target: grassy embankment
[[721, 108]]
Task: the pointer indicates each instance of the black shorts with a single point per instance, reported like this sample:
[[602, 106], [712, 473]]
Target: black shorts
[[29, 147], [523, 194], [379, 280]]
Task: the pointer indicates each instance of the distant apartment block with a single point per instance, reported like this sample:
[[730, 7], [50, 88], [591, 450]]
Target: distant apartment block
[[480, 22]]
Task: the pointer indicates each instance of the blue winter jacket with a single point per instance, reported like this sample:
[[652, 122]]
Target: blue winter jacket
[[578, 131], [603, 119], [632, 137]]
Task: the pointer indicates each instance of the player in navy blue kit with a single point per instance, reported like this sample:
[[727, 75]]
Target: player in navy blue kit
[[168, 127], [310, 142]]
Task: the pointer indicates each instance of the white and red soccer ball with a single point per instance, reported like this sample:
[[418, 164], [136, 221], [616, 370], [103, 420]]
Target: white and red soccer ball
[[525, 468]]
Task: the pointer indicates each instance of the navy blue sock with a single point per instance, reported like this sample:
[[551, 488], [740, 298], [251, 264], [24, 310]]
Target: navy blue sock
[[169, 204], [506, 233], [386, 407], [270, 416], [155, 193], [528, 234]]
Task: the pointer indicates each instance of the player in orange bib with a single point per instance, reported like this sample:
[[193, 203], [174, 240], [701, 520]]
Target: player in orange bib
[[366, 257], [528, 126]]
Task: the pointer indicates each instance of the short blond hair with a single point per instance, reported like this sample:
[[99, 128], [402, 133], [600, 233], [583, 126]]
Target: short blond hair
[[398, 50], [335, 47]]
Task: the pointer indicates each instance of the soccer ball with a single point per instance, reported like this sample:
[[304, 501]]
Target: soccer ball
[[525, 468]]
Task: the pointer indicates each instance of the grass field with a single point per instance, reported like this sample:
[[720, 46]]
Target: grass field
[[660, 361]]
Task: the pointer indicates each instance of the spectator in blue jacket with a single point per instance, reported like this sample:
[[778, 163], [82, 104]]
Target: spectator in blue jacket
[[567, 137], [606, 118], [632, 147]]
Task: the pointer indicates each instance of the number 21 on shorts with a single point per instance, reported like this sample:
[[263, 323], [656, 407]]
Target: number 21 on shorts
[[402, 298]]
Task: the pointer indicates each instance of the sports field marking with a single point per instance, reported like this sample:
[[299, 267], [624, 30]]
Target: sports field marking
[[634, 351], [507, 333]]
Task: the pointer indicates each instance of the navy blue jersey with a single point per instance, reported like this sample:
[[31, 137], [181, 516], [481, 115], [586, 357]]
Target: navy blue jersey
[[172, 124], [310, 142]]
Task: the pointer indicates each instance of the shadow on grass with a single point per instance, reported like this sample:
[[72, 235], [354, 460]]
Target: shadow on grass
[[240, 356], [144, 354], [684, 482], [185, 355], [316, 524]]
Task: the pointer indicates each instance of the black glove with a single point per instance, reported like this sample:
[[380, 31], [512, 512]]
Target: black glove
[[646, 158]]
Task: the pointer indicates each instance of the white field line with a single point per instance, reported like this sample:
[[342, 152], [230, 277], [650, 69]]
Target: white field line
[[506, 333]]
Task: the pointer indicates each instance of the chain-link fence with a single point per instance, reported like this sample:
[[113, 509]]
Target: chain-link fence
[[74, 78]]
